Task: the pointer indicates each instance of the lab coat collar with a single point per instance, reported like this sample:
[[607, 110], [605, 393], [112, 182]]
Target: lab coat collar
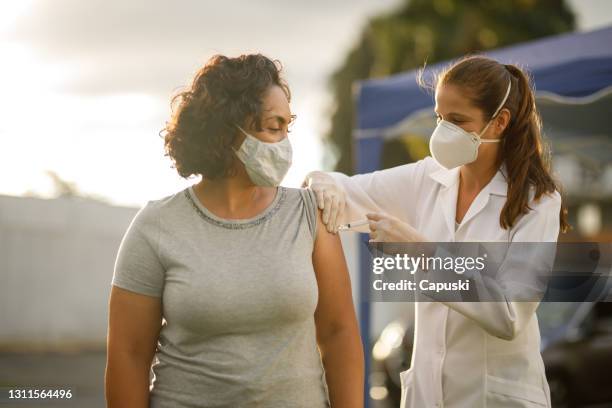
[[449, 179], [498, 184], [446, 177]]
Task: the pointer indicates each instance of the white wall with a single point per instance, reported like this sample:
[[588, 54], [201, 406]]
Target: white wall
[[56, 263]]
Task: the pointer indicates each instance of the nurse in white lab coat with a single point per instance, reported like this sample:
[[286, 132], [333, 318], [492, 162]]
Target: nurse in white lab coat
[[488, 180]]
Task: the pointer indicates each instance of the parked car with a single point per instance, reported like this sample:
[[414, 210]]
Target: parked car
[[578, 352]]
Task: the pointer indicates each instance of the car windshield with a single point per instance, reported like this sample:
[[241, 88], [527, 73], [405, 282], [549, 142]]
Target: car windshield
[[552, 315]]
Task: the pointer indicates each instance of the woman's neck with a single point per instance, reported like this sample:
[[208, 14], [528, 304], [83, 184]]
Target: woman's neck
[[233, 196], [476, 175]]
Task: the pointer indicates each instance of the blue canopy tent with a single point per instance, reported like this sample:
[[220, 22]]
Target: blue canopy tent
[[570, 65], [574, 67]]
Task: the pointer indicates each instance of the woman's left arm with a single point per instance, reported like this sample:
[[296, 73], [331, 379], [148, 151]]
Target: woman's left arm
[[507, 319], [336, 323]]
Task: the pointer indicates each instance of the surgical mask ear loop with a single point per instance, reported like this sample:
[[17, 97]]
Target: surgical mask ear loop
[[242, 130], [245, 134], [501, 105]]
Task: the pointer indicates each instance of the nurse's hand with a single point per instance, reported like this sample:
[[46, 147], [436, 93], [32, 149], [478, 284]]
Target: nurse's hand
[[331, 197], [385, 228]]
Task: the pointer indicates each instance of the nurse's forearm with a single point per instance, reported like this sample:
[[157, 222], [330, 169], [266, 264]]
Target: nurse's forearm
[[499, 318], [504, 320], [342, 356], [357, 200]]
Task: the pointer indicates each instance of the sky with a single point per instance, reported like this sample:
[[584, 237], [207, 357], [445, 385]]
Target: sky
[[86, 85]]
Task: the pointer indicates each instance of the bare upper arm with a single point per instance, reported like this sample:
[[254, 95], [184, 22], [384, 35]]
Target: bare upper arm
[[335, 307], [134, 323]]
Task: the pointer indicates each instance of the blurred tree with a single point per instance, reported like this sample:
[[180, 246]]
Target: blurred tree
[[62, 188], [432, 31]]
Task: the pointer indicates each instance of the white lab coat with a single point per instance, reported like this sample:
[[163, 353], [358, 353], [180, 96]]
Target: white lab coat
[[465, 355]]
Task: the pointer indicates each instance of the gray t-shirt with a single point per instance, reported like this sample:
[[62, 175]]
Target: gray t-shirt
[[238, 299]]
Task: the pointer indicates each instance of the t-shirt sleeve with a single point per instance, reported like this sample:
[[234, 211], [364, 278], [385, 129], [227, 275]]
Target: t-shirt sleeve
[[310, 203], [138, 267]]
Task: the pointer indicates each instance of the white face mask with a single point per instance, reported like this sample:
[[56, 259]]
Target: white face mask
[[265, 163], [451, 146]]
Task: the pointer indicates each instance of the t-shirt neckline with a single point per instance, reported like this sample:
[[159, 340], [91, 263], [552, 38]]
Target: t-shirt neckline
[[237, 223]]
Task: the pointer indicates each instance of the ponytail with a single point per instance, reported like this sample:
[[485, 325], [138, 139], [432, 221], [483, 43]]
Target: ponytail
[[527, 157]]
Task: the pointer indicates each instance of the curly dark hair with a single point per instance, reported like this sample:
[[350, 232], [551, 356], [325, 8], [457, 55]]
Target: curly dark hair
[[225, 92]]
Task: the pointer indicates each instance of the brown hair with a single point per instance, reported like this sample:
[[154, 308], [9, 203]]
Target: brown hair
[[224, 93], [527, 157]]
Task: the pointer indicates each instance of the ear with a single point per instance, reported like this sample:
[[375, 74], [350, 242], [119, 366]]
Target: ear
[[502, 120]]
